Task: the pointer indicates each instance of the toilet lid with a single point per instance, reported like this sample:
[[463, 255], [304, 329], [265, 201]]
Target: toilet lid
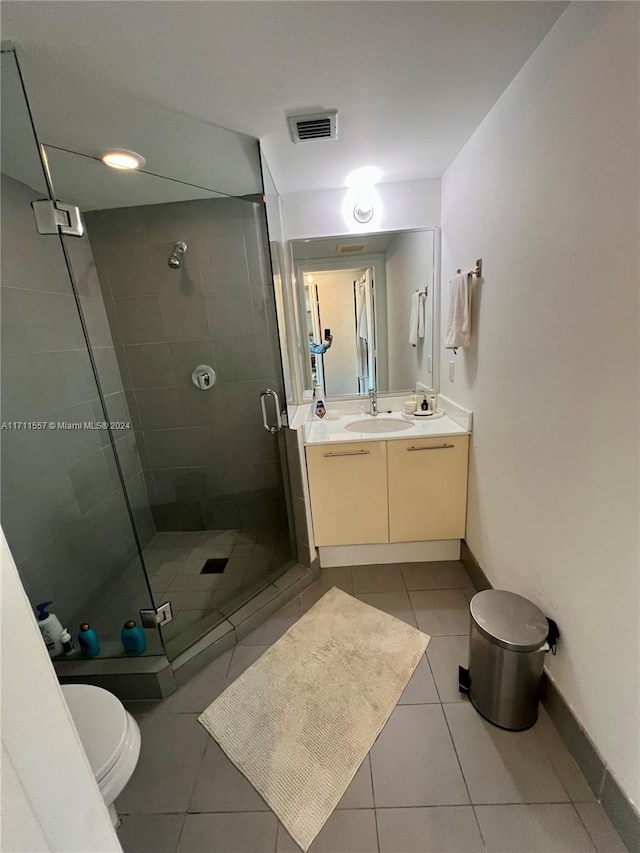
[[101, 721]]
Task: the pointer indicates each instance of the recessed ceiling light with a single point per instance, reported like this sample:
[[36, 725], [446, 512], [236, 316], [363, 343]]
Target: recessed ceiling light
[[309, 279], [124, 160]]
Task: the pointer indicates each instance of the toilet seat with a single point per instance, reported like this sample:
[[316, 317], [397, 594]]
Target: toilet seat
[[109, 734]]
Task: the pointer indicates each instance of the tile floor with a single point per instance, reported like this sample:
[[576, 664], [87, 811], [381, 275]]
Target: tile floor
[[174, 562], [439, 779]]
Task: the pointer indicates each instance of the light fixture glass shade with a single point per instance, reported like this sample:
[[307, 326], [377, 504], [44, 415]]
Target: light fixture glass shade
[[123, 160]]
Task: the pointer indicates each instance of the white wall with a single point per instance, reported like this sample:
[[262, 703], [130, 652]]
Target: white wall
[[546, 192], [50, 800], [409, 267], [408, 204]]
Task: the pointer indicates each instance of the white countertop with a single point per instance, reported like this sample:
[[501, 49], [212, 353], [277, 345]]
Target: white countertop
[[328, 431]]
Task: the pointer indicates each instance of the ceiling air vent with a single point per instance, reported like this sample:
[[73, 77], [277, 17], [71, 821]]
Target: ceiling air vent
[[350, 248], [306, 128]]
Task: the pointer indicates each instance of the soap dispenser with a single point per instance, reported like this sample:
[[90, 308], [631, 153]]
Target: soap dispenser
[[50, 628]]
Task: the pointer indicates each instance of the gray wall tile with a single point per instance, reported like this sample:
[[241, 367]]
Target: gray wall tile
[[173, 485], [83, 265], [158, 408], [223, 262], [63, 510], [150, 365], [140, 319], [230, 312], [52, 320], [200, 408], [205, 450], [90, 480], [166, 448], [184, 314], [95, 317], [108, 369], [128, 272], [15, 338], [215, 482], [220, 515]]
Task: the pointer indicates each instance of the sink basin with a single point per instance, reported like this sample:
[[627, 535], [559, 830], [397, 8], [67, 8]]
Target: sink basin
[[376, 425]]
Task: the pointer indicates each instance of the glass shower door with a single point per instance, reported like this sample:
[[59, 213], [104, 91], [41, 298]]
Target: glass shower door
[[178, 277], [64, 511]]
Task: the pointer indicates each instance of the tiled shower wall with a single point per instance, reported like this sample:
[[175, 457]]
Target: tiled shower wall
[[208, 461], [62, 510]]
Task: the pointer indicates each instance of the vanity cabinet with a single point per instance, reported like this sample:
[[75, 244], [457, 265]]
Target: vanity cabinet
[[348, 485], [427, 488], [389, 491]]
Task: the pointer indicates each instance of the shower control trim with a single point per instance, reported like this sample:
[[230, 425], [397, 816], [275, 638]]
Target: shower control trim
[[203, 377]]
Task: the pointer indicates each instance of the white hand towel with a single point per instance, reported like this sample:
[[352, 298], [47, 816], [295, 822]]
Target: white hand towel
[[416, 319], [458, 332]]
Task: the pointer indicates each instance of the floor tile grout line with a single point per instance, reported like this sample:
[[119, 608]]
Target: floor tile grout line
[[375, 821], [373, 787], [455, 749], [586, 828], [475, 815], [182, 825]]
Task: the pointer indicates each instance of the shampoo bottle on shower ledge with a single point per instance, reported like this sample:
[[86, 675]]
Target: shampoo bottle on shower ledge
[[133, 638], [88, 641]]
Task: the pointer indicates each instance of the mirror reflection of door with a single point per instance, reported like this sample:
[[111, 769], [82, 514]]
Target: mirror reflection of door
[[364, 304], [373, 345], [331, 302]]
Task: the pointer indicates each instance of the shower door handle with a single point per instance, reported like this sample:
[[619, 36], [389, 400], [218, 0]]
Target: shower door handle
[[265, 418]]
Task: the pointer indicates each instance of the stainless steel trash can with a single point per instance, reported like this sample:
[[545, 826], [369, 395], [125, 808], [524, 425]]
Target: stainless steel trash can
[[506, 656]]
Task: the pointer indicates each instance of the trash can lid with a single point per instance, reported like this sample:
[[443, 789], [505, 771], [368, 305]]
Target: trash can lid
[[509, 620]]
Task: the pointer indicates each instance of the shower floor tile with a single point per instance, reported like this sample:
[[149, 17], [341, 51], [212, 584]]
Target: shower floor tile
[[422, 788], [175, 562]]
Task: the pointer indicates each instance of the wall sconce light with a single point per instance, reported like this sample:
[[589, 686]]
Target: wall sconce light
[[362, 205]]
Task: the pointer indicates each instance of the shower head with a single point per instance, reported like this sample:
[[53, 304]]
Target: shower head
[[174, 258]]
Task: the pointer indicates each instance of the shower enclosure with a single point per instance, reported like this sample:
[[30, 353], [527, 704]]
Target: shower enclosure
[[142, 456]]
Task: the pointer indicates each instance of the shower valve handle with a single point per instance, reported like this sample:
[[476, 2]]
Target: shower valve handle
[[203, 377]]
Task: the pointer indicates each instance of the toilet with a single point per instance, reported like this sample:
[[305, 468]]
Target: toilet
[[110, 737]]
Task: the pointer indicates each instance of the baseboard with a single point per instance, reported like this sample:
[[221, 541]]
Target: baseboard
[[389, 552], [607, 791], [478, 577]]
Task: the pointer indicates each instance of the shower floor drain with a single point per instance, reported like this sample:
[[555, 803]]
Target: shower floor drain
[[215, 566]]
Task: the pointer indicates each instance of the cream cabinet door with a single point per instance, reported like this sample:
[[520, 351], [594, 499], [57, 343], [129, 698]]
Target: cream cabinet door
[[348, 485], [427, 488]]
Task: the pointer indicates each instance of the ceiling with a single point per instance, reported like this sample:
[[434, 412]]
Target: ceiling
[[410, 80], [326, 248]]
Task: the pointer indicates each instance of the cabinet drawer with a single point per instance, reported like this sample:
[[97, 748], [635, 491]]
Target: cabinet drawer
[[427, 488], [348, 485]]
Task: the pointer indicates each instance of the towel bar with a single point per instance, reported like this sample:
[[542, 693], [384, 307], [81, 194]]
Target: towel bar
[[477, 270]]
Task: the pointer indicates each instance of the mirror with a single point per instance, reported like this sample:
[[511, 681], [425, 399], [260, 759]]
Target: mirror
[[367, 307]]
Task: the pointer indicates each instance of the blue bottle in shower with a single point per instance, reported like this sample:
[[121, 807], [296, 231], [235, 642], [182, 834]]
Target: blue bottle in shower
[[133, 638], [88, 641]]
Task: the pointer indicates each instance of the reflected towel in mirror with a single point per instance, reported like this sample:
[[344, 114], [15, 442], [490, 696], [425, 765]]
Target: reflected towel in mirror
[[416, 319]]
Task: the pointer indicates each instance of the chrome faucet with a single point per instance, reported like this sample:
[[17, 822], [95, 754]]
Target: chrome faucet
[[373, 402]]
